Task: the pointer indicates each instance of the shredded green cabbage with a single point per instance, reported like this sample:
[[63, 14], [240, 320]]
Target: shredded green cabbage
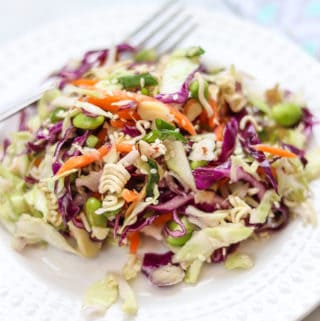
[[238, 261]]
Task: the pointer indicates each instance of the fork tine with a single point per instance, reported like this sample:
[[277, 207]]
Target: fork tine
[[153, 32], [170, 32], [183, 36], [159, 12]]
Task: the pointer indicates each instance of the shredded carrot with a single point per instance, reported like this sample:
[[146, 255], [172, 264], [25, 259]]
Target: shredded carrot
[[214, 107], [77, 162], [102, 134], [219, 132], [124, 148], [162, 219], [274, 172], [203, 118], [84, 82], [38, 161], [128, 114], [134, 239], [274, 151], [223, 181], [181, 120], [131, 207], [129, 196], [107, 103], [117, 123]]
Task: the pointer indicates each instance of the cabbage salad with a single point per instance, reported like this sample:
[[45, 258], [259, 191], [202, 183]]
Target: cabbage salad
[[133, 146]]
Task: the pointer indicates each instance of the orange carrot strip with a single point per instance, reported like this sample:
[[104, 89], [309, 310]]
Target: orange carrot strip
[[219, 132], [117, 123], [102, 136], [223, 181], [38, 161], [83, 160], [129, 196], [116, 96], [109, 98], [134, 239], [128, 114], [84, 82], [181, 120], [162, 219], [131, 207], [124, 148], [274, 151], [214, 107]]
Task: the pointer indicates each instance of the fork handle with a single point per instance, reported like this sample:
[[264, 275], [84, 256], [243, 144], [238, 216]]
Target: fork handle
[[24, 100]]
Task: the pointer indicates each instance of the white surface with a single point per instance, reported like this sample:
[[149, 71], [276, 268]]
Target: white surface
[[47, 285]]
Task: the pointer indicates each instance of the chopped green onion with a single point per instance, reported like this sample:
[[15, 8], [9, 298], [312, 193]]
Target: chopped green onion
[[153, 177], [135, 81], [146, 55]]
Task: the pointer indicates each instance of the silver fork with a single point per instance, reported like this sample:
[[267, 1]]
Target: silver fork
[[163, 31]]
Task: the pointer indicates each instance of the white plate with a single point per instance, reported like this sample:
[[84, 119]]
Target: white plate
[[47, 285]]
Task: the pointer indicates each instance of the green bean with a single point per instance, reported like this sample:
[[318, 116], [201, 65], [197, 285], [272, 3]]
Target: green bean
[[92, 141], [286, 114], [90, 207], [194, 89], [196, 164], [83, 121], [181, 240], [57, 114]]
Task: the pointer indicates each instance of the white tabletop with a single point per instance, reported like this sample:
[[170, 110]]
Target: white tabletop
[[20, 16]]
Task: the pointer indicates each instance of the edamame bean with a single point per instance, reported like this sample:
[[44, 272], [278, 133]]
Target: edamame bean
[[286, 114], [194, 89], [90, 207], [92, 141], [196, 164], [57, 114], [83, 121], [179, 241]]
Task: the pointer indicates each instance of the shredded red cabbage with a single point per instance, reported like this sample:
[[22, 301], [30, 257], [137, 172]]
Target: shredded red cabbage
[[131, 131], [31, 180], [220, 255], [152, 261], [299, 152], [177, 233], [56, 163], [206, 176], [23, 120], [277, 222], [173, 204], [308, 121], [248, 138], [181, 96], [66, 203], [45, 136], [229, 141], [90, 59], [6, 143]]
